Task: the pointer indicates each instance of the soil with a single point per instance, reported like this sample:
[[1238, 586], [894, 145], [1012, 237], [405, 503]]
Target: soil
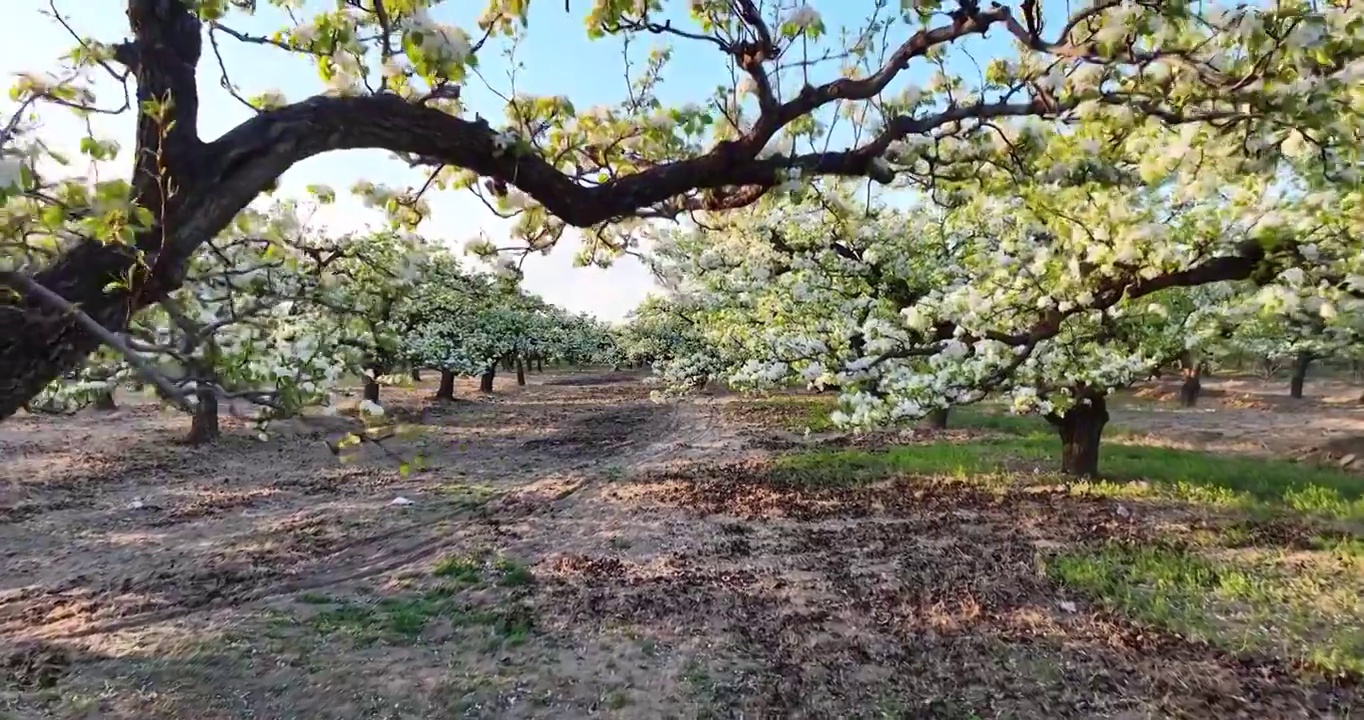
[[676, 571]]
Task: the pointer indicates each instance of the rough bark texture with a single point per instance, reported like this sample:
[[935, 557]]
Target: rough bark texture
[[371, 390], [1081, 429], [1300, 365], [520, 372], [1190, 370], [203, 426], [105, 401], [193, 188], [485, 383], [936, 420], [446, 391]]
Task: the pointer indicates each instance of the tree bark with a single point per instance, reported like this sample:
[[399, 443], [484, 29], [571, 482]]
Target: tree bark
[[520, 372], [936, 419], [105, 401], [416, 375], [539, 365], [372, 390], [1300, 365], [1191, 370], [485, 383], [1081, 429], [203, 426], [446, 391]]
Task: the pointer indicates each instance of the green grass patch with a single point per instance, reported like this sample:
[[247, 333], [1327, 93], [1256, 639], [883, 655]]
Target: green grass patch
[[475, 568], [977, 417], [401, 619], [459, 568], [1305, 607], [1134, 471]]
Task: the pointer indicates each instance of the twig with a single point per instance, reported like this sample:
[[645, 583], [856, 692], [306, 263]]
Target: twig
[[143, 368]]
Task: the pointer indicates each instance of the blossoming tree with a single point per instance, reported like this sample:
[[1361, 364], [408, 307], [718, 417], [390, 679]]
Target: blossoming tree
[[391, 74], [1079, 264], [244, 325], [1291, 323]]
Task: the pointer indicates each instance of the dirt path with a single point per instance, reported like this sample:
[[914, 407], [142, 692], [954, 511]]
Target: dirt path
[[571, 550], [110, 523], [1251, 416]]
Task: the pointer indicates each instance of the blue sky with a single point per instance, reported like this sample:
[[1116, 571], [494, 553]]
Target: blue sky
[[557, 59]]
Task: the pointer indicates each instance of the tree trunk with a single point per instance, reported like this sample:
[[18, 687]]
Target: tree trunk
[[105, 401], [416, 375], [1191, 370], [1081, 429], [203, 426], [1300, 365], [446, 391], [485, 383], [936, 419], [520, 372], [372, 390], [539, 365]]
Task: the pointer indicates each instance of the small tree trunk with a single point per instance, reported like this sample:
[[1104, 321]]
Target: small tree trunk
[[1300, 365], [372, 390], [936, 420], [416, 375], [520, 371], [539, 365], [1081, 429], [1191, 370], [105, 401], [203, 426], [485, 383], [446, 391]]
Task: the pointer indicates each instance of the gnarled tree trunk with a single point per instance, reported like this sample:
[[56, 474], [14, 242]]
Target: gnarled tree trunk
[[1300, 365], [1081, 429], [1190, 370], [203, 426], [446, 391], [485, 383], [520, 371]]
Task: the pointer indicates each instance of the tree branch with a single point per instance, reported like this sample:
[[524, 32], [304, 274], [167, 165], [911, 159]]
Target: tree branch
[[140, 364]]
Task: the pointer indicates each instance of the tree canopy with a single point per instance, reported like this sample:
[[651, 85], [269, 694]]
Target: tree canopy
[[1278, 81]]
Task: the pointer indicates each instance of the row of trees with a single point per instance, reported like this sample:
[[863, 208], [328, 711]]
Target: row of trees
[[1052, 208], [1088, 260], [280, 316]]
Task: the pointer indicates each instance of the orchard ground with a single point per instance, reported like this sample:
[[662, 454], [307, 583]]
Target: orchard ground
[[573, 550]]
